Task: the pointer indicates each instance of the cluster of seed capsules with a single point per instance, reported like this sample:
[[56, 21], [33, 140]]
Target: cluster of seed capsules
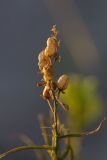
[[46, 61]]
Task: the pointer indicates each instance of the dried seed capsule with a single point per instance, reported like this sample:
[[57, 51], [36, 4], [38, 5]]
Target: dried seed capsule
[[51, 48], [63, 82], [41, 56], [48, 74], [43, 61], [46, 93], [51, 41]]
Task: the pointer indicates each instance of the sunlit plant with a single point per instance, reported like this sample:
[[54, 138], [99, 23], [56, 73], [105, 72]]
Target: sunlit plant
[[57, 141]]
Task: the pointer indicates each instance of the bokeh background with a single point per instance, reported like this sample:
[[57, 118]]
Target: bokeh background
[[24, 28]]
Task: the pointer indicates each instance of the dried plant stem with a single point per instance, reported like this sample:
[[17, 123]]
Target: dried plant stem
[[25, 148], [71, 153], [54, 129], [65, 154], [68, 150], [29, 142], [84, 133], [50, 105], [45, 133], [55, 124]]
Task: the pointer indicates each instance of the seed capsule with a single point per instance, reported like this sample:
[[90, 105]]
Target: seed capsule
[[63, 82], [46, 93], [51, 48], [47, 74], [43, 61]]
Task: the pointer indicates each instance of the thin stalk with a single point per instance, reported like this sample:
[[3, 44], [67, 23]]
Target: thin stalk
[[65, 154], [50, 106], [71, 153], [22, 148], [68, 150], [29, 142], [55, 130], [45, 132], [84, 133], [55, 123]]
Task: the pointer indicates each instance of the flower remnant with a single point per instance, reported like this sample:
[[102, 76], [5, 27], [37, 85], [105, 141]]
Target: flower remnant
[[46, 61]]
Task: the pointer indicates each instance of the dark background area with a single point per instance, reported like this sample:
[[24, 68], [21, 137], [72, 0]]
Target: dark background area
[[24, 28]]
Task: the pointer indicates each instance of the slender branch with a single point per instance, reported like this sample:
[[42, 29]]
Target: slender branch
[[84, 133], [65, 154], [55, 115], [50, 106], [71, 152], [29, 142], [14, 150], [63, 105], [68, 150], [44, 130]]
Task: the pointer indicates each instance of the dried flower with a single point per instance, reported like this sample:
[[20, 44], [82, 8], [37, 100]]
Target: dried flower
[[46, 66]]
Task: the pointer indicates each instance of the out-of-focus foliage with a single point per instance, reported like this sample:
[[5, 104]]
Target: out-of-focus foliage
[[84, 101], [85, 106]]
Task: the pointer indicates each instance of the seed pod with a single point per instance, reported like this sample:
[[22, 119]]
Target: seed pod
[[48, 74], [46, 93], [51, 48], [43, 61], [41, 56], [63, 82], [52, 41]]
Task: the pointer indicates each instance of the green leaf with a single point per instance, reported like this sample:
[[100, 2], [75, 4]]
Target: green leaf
[[84, 101]]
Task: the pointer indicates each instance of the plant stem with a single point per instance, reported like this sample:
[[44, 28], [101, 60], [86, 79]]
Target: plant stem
[[55, 131], [50, 106], [71, 153], [84, 133], [65, 154], [14, 150], [55, 123]]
